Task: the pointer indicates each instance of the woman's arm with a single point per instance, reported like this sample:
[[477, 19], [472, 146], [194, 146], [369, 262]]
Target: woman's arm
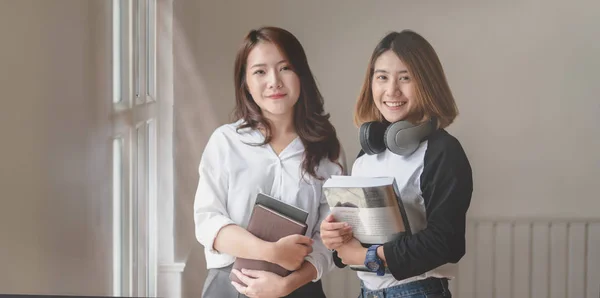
[[300, 277], [253, 248], [289, 252], [210, 213], [267, 284]]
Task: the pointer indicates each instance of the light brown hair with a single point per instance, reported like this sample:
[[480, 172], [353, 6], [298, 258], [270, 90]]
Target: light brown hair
[[433, 95], [311, 122]]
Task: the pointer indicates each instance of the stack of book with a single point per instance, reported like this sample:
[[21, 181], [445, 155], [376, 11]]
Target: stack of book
[[270, 221]]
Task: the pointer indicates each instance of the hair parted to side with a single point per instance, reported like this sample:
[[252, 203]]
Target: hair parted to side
[[311, 122], [433, 95]]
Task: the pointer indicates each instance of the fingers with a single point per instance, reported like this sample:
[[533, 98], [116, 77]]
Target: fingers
[[299, 239], [253, 273], [348, 237], [245, 279], [329, 218], [309, 250], [336, 233], [333, 226], [335, 241]]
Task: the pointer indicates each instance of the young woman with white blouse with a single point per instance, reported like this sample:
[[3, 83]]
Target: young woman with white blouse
[[281, 144]]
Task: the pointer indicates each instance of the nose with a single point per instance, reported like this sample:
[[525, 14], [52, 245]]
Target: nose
[[274, 80], [393, 89]]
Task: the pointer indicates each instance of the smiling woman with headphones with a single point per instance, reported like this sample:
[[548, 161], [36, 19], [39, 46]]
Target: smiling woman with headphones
[[403, 110]]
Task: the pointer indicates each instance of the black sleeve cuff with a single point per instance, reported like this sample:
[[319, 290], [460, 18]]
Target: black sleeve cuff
[[337, 261], [392, 260]]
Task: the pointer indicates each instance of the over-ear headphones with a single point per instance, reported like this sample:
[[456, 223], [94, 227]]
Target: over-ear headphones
[[401, 137]]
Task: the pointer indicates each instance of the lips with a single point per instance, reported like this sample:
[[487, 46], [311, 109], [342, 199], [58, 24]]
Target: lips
[[394, 104], [276, 96]]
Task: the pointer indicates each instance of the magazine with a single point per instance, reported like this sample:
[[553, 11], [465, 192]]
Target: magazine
[[370, 205]]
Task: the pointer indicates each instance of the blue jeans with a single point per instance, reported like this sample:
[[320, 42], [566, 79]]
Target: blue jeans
[[427, 288]]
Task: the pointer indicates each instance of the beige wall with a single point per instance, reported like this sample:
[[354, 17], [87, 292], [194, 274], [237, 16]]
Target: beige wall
[[55, 221], [523, 73]]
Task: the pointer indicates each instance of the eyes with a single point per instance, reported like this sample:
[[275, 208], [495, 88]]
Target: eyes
[[383, 78], [262, 71]]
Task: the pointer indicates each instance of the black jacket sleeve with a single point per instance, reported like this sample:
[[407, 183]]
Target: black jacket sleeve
[[446, 185]]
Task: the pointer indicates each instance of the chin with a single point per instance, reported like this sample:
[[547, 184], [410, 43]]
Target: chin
[[278, 112], [394, 118]]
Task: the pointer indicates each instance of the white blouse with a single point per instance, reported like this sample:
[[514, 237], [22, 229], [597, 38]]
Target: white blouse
[[232, 173]]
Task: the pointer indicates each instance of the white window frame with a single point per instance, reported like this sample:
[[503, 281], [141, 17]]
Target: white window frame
[[137, 121]]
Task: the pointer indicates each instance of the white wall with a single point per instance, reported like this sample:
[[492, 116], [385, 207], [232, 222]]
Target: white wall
[[523, 73], [55, 216]]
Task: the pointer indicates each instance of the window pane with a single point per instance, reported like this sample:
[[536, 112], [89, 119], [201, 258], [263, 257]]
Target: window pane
[[151, 48], [138, 213], [116, 50], [151, 240], [136, 47], [117, 215]]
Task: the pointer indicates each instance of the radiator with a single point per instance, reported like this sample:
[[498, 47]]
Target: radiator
[[531, 258], [516, 258]]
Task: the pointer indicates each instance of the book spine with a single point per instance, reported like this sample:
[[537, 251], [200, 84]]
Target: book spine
[[407, 228]]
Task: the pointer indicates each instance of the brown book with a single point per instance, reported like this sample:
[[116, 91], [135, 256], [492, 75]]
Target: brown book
[[268, 225]]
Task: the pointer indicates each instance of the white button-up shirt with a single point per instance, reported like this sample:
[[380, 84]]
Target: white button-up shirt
[[232, 173]]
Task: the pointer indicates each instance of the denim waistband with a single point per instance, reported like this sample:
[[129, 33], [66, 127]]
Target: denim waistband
[[430, 285]]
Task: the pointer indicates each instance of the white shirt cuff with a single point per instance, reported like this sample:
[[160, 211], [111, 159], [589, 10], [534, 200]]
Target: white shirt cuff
[[210, 230], [312, 260]]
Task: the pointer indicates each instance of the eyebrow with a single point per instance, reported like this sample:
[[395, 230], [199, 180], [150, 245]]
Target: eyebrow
[[263, 64], [385, 71]]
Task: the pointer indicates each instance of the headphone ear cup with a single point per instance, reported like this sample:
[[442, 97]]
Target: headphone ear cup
[[400, 138], [371, 137]]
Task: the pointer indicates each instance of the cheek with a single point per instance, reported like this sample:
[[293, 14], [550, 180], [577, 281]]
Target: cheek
[[292, 81], [292, 84], [297, 83], [376, 91], [408, 92], [253, 87]]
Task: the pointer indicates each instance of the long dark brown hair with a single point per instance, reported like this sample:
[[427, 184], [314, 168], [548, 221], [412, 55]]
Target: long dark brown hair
[[433, 95], [311, 122]]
